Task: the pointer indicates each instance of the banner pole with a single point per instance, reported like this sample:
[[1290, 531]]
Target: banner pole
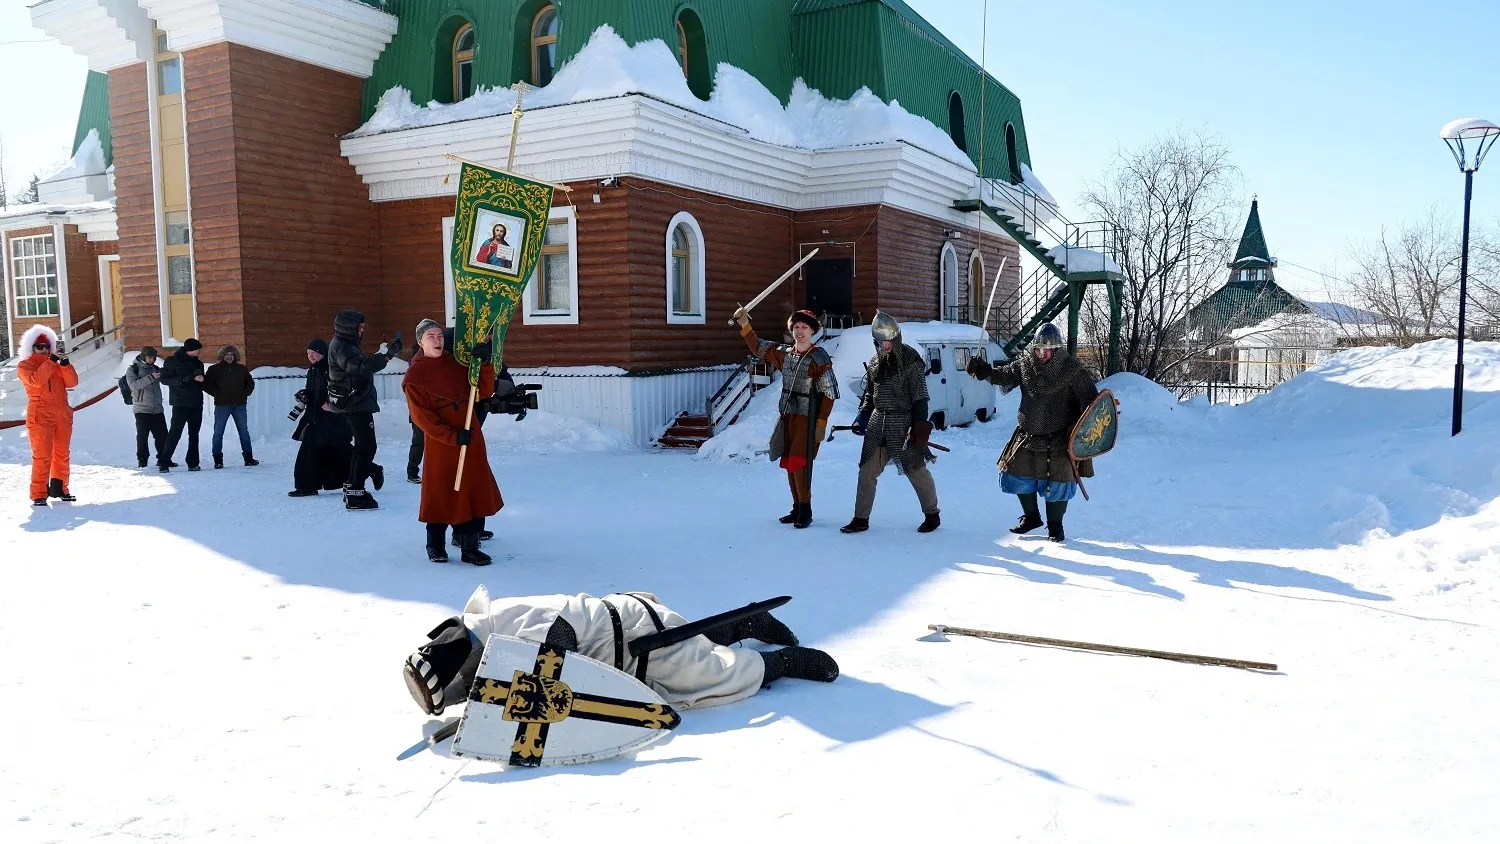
[[510, 163]]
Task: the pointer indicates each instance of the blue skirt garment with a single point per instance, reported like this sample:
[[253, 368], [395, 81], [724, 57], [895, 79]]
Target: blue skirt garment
[[1048, 490]]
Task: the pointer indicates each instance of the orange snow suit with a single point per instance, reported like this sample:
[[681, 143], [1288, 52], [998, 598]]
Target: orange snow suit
[[49, 419]]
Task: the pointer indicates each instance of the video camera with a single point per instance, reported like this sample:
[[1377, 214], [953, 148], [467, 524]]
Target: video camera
[[299, 407], [516, 402]]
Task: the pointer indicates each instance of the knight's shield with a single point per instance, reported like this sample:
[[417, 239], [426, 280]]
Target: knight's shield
[[536, 705], [1096, 429]]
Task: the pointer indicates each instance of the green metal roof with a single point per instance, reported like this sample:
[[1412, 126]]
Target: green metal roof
[[1253, 243], [1241, 304], [94, 114]]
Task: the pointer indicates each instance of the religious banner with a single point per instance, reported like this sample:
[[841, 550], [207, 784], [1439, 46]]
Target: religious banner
[[498, 229]]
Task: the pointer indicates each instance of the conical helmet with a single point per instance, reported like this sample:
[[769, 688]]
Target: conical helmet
[[1048, 338], [884, 327]]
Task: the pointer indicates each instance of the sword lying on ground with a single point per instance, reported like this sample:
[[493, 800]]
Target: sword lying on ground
[[745, 309], [940, 629]]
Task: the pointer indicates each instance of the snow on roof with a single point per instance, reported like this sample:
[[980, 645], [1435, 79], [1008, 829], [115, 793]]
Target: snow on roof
[[1344, 314], [608, 67], [37, 208], [88, 160], [1078, 260], [1030, 180]]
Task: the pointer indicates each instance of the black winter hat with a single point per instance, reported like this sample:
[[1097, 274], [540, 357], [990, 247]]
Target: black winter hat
[[347, 324], [319, 345], [192, 345]]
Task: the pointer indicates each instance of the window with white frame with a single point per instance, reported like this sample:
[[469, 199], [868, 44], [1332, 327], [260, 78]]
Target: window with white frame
[[551, 296], [552, 293], [685, 271], [33, 276]]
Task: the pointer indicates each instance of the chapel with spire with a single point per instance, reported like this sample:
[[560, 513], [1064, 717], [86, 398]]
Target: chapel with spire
[[1250, 295]]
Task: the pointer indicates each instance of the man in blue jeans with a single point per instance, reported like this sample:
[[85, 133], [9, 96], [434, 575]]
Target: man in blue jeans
[[229, 382]]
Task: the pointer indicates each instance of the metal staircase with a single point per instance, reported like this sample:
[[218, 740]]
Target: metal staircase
[[1082, 254]]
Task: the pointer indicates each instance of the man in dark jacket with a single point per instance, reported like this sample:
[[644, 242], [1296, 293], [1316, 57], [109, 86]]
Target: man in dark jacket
[[230, 383], [351, 391], [893, 420], [182, 373], [143, 377], [323, 458]]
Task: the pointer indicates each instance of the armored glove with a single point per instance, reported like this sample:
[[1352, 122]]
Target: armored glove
[[919, 433], [861, 422], [979, 368]]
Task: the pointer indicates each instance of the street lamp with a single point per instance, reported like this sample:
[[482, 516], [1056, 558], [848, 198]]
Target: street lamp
[[1470, 139]]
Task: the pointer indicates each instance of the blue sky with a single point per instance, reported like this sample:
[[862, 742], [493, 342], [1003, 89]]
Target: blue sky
[[1331, 107]]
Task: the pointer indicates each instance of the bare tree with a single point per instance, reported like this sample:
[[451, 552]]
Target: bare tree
[[1409, 280], [1484, 282], [4, 191], [1175, 201]]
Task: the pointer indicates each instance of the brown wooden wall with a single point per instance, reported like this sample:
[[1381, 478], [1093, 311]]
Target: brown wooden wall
[[135, 205], [910, 257], [622, 272], [748, 246], [285, 235], [83, 275]]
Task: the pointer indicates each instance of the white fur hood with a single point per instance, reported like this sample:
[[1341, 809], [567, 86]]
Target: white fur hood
[[28, 340]]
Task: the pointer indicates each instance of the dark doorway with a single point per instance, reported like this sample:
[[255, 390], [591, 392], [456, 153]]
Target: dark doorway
[[830, 286]]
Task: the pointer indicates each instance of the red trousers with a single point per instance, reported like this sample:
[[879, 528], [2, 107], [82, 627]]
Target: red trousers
[[51, 442]]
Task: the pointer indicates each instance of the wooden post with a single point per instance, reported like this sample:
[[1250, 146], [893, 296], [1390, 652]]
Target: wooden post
[[510, 163], [1109, 649]]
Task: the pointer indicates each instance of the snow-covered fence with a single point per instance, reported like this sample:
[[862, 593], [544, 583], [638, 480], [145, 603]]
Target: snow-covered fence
[[639, 405]]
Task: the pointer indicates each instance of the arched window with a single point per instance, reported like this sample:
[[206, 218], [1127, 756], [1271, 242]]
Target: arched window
[[685, 271], [692, 51], [1012, 155], [956, 121], [948, 283], [463, 63], [544, 45], [977, 292]]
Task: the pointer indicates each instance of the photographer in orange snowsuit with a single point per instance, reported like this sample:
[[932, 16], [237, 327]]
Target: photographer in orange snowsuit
[[46, 374]]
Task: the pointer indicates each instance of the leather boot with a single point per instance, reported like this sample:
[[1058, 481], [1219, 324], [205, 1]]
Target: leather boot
[[1055, 510], [469, 542], [435, 551], [804, 515], [800, 663]]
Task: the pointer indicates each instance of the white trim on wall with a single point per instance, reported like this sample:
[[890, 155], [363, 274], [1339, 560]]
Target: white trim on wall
[[64, 307], [529, 316], [698, 268], [450, 300], [944, 302], [5, 282]]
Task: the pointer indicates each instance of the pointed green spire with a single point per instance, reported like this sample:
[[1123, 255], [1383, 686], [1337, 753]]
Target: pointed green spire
[[1253, 243]]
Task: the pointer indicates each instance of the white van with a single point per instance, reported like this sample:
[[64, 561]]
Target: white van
[[954, 396]]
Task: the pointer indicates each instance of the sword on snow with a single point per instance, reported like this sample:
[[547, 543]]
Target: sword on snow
[[775, 284]]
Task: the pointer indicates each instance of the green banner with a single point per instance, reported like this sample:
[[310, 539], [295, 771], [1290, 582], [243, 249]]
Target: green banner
[[498, 230]]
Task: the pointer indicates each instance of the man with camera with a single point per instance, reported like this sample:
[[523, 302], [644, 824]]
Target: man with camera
[[324, 454], [351, 394]]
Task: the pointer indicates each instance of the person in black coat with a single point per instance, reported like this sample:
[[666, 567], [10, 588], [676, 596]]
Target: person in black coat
[[351, 394], [325, 451], [182, 373]]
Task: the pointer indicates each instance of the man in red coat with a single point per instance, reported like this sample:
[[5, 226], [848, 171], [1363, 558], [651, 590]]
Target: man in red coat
[[47, 375], [437, 397]]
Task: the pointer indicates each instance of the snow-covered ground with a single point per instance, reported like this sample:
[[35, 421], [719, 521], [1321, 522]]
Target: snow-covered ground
[[197, 657]]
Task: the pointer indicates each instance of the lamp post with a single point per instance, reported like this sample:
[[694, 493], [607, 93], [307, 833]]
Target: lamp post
[[1470, 139]]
